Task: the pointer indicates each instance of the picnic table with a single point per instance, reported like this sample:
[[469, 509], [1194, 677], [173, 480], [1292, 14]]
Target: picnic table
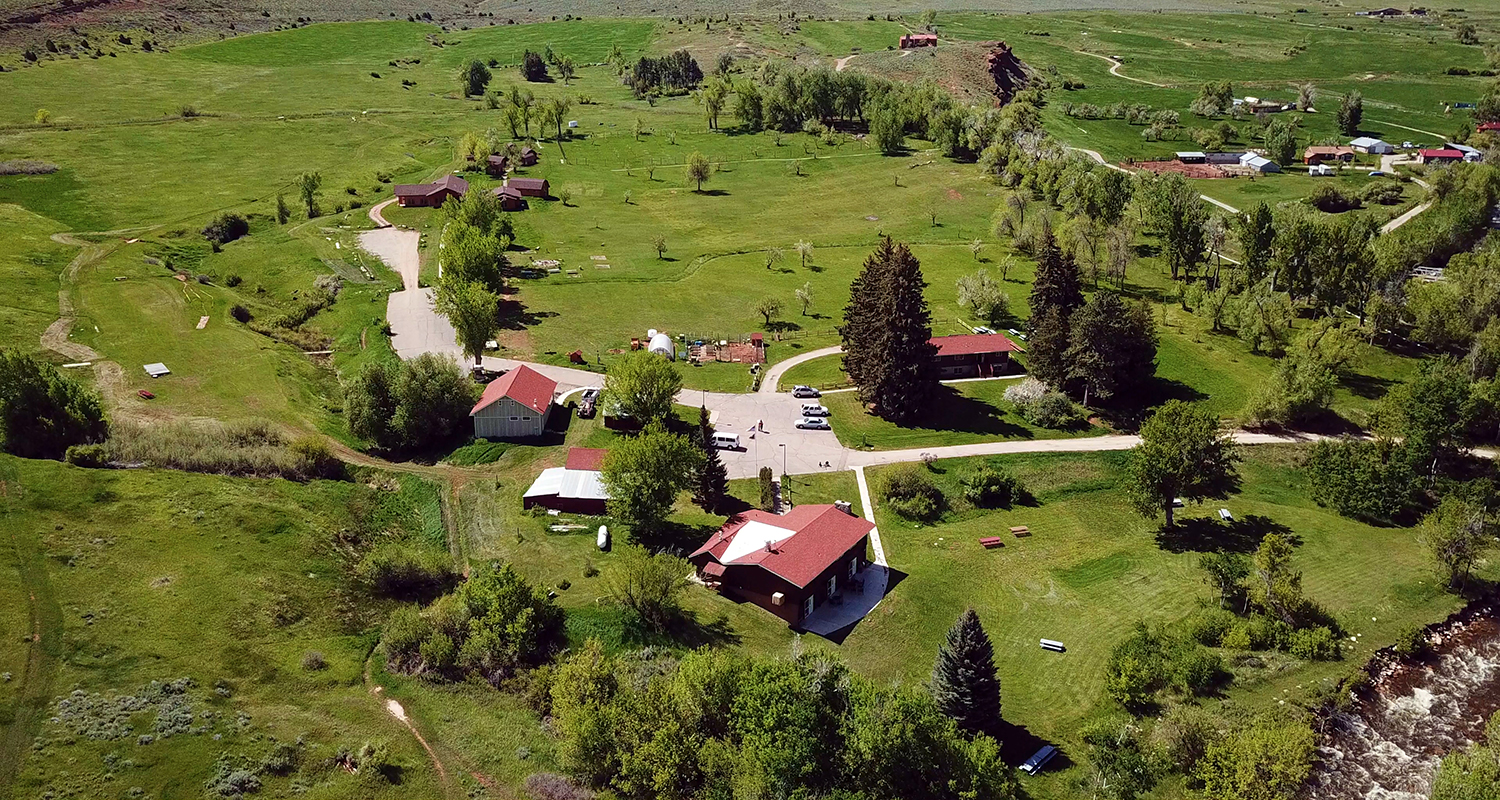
[[1020, 530], [991, 542]]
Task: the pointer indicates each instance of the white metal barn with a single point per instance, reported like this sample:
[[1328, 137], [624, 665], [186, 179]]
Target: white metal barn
[[514, 406]]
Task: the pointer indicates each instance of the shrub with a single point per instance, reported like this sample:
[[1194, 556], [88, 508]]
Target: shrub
[[87, 455], [43, 412], [1210, 626], [910, 492], [1327, 198], [318, 461], [990, 487], [1315, 644], [1411, 642], [407, 572], [1025, 393], [239, 313], [313, 661], [552, 786], [1052, 410], [1386, 193], [1196, 669], [226, 228], [232, 280]]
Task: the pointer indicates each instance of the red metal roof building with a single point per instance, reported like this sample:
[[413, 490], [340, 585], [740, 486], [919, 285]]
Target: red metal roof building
[[431, 195], [1489, 126], [514, 406], [1441, 156], [973, 354], [789, 564]]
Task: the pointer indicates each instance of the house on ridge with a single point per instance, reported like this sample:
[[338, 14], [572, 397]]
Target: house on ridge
[[515, 405]]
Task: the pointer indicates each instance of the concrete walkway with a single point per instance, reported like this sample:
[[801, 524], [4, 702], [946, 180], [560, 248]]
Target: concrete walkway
[[773, 375]]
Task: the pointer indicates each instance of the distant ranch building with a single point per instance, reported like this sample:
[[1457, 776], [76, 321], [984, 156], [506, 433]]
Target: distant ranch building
[[495, 166], [1321, 153], [528, 157], [973, 355], [431, 195], [911, 40], [1441, 156], [514, 406], [511, 198], [1367, 144], [576, 488]]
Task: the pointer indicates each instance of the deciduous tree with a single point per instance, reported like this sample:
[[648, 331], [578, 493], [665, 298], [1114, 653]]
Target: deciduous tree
[[473, 311], [473, 77], [643, 384], [1111, 347], [644, 474], [1182, 454], [42, 412]]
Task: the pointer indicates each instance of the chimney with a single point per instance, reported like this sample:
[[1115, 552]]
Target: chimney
[[844, 506]]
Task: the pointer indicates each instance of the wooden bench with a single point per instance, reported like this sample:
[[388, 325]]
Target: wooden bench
[[1053, 645], [991, 542], [1020, 530]]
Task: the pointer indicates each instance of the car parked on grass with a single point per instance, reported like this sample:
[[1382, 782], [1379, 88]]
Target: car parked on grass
[[813, 423]]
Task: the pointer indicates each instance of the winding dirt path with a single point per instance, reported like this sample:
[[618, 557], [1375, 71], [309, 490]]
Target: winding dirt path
[[1114, 69]]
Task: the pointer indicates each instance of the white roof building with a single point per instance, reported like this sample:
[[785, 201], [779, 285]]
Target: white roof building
[[1368, 144]]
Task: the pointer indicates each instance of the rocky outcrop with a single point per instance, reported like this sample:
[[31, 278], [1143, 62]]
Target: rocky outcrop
[[1010, 74]]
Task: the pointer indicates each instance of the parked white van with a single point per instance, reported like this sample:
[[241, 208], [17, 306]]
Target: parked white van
[[814, 410], [727, 441]]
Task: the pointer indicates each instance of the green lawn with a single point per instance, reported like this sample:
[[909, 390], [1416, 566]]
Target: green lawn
[[820, 373], [142, 576], [29, 267], [962, 413], [1092, 568]]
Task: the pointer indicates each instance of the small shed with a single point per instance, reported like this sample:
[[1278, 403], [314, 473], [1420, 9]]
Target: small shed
[[529, 187], [1192, 157], [510, 199], [496, 165], [528, 157]]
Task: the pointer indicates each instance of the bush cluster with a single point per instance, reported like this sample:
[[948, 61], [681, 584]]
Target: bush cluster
[[411, 405], [909, 491], [987, 486], [250, 448], [226, 228], [406, 571]]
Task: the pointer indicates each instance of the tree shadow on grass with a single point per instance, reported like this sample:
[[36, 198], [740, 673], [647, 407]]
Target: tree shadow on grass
[[713, 192], [514, 316], [677, 538], [1209, 535], [1370, 387], [685, 628], [1017, 745], [952, 411]]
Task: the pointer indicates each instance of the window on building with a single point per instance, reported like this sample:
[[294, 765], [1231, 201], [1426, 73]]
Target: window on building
[[513, 419], [807, 607], [853, 567], [833, 585]]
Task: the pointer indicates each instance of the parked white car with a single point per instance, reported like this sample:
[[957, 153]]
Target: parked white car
[[805, 391], [814, 410], [813, 423]]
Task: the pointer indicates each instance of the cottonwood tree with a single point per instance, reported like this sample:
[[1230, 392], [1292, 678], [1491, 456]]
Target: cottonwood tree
[[1111, 347], [1351, 112], [714, 95], [964, 683], [471, 254], [768, 307], [1307, 95], [566, 68], [774, 256], [649, 585], [1182, 454], [1457, 533], [643, 384], [473, 311], [1256, 232], [805, 297], [886, 335], [414, 405], [473, 77], [308, 184], [804, 251], [699, 169], [43, 412], [644, 474], [659, 244], [981, 297], [713, 478], [1269, 760], [1179, 216]]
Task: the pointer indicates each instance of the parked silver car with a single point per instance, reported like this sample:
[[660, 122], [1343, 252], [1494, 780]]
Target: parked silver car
[[813, 423]]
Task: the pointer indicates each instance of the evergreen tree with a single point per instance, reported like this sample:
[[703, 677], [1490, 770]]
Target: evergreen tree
[[1057, 284], [886, 333], [1047, 347], [713, 478], [964, 683]]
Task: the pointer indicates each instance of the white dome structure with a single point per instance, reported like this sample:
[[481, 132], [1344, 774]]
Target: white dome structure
[[662, 343]]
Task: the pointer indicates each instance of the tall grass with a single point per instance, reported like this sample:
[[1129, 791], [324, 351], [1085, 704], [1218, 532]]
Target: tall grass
[[253, 448]]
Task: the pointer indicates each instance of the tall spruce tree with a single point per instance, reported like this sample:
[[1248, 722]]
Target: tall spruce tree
[[886, 333], [713, 478], [1055, 295], [1057, 283], [1047, 347], [1112, 347], [964, 683]]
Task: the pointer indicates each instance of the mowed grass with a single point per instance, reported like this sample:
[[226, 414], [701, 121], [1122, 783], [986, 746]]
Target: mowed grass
[[141, 576], [29, 269], [1092, 569], [1289, 187], [820, 373], [960, 413]]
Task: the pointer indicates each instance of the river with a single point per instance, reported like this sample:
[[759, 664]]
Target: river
[[1389, 744]]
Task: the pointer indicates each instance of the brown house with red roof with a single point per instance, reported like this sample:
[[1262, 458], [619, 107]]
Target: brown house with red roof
[[510, 198], [431, 195], [529, 187], [911, 40], [514, 405], [1443, 155], [790, 565], [973, 354], [1319, 153]]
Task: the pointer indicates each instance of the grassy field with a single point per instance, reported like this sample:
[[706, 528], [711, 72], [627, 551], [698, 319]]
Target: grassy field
[[1091, 569], [962, 413], [139, 576]]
